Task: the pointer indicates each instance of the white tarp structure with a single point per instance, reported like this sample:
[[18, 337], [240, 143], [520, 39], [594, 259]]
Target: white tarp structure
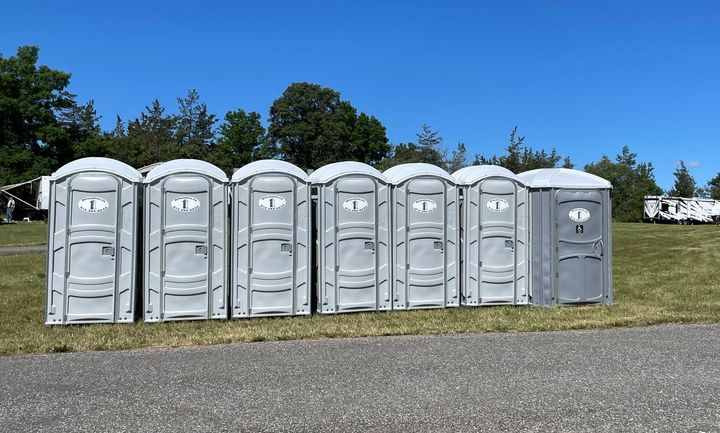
[[33, 194]]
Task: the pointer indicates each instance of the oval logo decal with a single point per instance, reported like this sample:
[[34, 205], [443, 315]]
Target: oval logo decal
[[185, 204], [497, 204], [579, 214], [424, 205], [93, 204], [271, 202], [355, 204]]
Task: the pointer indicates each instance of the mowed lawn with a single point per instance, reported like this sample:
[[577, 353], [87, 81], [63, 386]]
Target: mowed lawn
[[662, 274], [23, 233]]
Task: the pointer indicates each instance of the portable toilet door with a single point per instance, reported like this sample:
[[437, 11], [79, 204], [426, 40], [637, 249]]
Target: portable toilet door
[[424, 239], [571, 240], [270, 240], [185, 241], [494, 236], [353, 239], [92, 242]]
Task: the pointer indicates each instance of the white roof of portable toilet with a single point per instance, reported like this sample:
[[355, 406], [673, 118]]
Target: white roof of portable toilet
[[98, 164], [184, 166], [268, 165], [400, 173], [562, 178], [332, 171], [475, 173]]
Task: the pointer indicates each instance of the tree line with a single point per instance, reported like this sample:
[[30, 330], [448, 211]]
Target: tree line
[[43, 126]]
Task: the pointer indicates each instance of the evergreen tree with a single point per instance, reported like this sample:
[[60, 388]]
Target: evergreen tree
[[684, 182], [631, 181], [150, 138], [458, 159], [430, 145], [81, 124], [519, 158], [119, 128], [193, 127], [713, 187]]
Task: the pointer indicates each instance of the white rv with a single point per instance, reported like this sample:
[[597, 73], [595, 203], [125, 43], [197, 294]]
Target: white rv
[[680, 210]]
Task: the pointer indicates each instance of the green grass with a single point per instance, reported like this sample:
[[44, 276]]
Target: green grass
[[23, 233], [662, 274]]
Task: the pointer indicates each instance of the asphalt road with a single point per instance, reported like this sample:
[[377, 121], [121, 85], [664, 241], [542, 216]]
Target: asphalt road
[[644, 379]]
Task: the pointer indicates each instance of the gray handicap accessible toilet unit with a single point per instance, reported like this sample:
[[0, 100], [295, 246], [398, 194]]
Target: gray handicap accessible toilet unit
[[571, 240], [271, 233], [424, 237], [92, 242], [494, 238], [353, 239], [185, 209]]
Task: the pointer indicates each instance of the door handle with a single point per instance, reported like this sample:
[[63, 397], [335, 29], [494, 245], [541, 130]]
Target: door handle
[[370, 246], [201, 250], [599, 248], [109, 251]]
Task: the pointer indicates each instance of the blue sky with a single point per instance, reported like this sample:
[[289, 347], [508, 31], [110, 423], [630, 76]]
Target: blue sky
[[585, 77]]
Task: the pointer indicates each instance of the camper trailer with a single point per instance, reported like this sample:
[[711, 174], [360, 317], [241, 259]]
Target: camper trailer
[[678, 210]]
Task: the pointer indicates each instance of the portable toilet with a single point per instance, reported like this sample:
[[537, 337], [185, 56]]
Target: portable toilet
[[424, 237], [570, 237], [353, 239], [271, 234], [186, 203], [494, 236], [92, 242]]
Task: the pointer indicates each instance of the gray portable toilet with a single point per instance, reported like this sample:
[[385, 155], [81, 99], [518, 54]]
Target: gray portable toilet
[[270, 240], [424, 237], [571, 239], [92, 242], [186, 203], [353, 239], [494, 236]]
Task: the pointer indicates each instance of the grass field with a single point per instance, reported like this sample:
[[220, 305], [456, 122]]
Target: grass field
[[662, 274], [23, 233]]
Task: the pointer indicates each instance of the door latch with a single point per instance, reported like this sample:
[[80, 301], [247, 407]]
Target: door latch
[[509, 244], [438, 246], [201, 249], [286, 248], [370, 246], [108, 251]]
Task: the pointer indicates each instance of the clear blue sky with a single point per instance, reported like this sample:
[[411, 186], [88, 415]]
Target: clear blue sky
[[586, 77]]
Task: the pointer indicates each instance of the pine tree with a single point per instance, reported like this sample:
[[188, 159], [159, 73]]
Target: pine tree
[[684, 182]]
